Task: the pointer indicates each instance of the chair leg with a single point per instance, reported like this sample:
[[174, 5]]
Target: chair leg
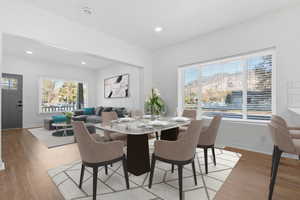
[[205, 160], [152, 170], [273, 158], [214, 155], [106, 170], [81, 175], [194, 171], [125, 172], [172, 170], [278, 153], [95, 175], [180, 181]]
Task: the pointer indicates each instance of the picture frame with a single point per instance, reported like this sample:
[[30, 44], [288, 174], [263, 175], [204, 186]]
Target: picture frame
[[116, 86]]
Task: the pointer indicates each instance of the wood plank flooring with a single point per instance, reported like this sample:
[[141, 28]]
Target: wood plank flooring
[[27, 162]]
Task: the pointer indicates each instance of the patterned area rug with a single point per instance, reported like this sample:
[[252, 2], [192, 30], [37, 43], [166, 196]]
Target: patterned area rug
[[165, 183]]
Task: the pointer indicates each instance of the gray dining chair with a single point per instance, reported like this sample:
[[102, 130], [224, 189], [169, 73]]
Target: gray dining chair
[[136, 113], [107, 117], [96, 154], [208, 137], [191, 114], [283, 141], [180, 152]]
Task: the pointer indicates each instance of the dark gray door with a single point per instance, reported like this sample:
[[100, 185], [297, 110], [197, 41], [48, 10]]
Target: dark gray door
[[12, 101]]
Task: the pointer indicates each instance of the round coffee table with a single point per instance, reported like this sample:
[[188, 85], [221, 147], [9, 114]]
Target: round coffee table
[[63, 127]]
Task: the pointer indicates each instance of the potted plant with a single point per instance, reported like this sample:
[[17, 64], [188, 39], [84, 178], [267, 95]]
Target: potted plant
[[154, 104], [69, 116]]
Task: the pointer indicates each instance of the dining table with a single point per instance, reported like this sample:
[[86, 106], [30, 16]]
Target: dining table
[[138, 131]]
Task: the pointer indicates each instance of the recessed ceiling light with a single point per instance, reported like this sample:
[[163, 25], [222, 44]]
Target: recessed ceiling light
[[83, 63], [29, 52], [86, 10], [158, 29]]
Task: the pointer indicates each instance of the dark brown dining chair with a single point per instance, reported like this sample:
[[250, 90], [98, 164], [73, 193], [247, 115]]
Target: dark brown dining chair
[[208, 137], [180, 152], [96, 154], [107, 117], [283, 142]]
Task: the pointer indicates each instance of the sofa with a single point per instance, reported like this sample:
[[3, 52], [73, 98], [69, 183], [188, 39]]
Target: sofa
[[89, 115], [94, 115]]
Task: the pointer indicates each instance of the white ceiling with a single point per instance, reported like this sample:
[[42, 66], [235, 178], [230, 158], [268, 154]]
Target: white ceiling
[[15, 45], [134, 20]]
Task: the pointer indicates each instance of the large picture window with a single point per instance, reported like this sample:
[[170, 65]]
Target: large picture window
[[61, 95], [237, 87]]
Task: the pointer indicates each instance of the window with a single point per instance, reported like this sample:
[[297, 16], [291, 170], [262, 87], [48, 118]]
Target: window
[[9, 83], [238, 87], [61, 95]]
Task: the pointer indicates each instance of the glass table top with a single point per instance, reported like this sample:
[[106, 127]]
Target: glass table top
[[142, 126]]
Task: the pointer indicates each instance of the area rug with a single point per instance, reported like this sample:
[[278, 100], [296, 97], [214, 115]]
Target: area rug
[[45, 136], [165, 183]]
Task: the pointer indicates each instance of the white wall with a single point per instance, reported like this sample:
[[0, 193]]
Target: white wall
[[133, 101], [32, 70], [279, 29], [41, 25]]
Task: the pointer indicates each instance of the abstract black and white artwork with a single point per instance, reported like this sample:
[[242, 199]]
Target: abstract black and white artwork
[[117, 87]]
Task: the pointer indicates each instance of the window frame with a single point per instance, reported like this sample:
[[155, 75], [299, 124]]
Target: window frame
[[40, 91], [243, 57]]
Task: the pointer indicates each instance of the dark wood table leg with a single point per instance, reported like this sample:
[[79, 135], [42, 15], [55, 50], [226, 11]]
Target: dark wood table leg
[[138, 160], [170, 134]]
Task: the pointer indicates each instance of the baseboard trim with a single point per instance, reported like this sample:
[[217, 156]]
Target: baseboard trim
[[2, 166]]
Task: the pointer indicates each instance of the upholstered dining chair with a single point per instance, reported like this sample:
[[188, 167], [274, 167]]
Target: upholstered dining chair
[[208, 137], [107, 117], [180, 152], [283, 142], [95, 154], [136, 113], [192, 114]]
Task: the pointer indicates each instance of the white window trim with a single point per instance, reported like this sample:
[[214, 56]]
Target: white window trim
[[41, 78], [243, 56]]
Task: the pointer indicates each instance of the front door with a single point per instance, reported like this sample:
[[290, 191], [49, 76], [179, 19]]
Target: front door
[[12, 101]]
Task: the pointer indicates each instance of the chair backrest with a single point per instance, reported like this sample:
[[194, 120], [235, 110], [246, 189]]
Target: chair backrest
[[107, 117], [188, 142], [136, 113], [85, 142], [280, 134], [192, 114], [209, 135]]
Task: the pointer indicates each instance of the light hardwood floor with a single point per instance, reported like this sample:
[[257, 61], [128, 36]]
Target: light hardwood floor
[[27, 161]]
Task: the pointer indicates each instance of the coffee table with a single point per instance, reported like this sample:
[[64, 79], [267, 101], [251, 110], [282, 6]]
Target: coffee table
[[65, 129], [62, 126]]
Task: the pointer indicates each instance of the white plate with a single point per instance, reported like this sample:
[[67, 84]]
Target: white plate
[[180, 119], [126, 119], [159, 123], [147, 116]]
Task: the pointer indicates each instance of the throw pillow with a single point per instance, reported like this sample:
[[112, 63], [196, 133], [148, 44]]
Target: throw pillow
[[99, 110], [107, 109], [120, 111], [59, 118], [89, 111]]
